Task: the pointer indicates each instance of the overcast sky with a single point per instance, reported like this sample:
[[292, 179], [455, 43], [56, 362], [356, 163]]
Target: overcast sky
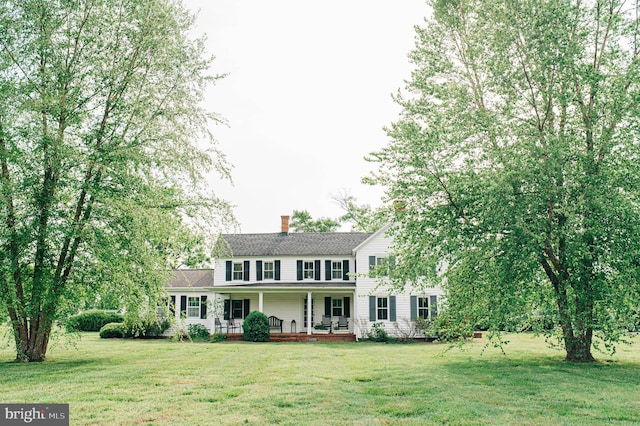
[[307, 96]]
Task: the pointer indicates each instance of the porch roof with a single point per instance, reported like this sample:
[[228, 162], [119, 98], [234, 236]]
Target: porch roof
[[185, 278], [348, 286]]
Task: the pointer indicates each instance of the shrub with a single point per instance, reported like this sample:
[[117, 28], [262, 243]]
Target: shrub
[[92, 320], [198, 332], [218, 337], [256, 327], [378, 333], [146, 328], [112, 330]]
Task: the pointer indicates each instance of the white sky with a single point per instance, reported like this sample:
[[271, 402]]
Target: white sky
[[307, 96]]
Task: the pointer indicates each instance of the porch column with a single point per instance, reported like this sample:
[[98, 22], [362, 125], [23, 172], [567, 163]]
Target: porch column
[[354, 314], [309, 324], [261, 301]]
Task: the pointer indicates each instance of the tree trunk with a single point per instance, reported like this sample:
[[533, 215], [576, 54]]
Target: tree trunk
[[578, 348], [32, 348]]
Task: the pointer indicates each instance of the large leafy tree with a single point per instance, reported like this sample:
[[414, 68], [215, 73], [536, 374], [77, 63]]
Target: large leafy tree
[[102, 144], [517, 158]]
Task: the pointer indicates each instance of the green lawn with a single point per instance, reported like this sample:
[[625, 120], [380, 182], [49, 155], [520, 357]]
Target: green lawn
[[127, 382]]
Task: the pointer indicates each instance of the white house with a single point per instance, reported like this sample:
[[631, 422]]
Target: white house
[[303, 279]]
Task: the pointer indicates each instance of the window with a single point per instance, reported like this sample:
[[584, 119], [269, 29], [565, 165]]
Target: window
[[238, 272], [237, 309], [308, 271], [336, 307], [423, 307], [267, 271], [336, 270], [193, 307], [383, 308]]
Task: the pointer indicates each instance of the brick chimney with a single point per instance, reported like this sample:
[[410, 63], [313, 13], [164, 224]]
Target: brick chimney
[[285, 224]]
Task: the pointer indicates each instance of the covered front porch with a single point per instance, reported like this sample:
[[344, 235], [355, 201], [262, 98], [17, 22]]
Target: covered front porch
[[302, 337], [317, 311]]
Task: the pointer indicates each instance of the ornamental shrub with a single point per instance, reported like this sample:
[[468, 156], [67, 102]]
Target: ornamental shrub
[[256, 327], [378, 333], [112, 330], [92, 320], [198, 332], [146, 328]]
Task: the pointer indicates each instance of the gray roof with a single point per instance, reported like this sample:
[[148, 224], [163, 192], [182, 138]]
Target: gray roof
[[185, 278], [294, 244]]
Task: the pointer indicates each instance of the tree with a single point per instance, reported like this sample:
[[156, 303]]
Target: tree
[[362, 216], [101, 155], [301, 221], [516, 155]]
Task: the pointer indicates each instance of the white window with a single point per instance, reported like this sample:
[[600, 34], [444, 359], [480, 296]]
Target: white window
[[336, 307], [336, 270], [307, 270], [267, 270], [423, 307], [193, 307], [383, 308], [238, 272]]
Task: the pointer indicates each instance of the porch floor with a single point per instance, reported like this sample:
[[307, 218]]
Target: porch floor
[[302, 337]]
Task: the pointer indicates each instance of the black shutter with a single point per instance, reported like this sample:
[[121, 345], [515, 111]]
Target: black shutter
[[258, 270], [433, 304], [172, 305], [246, 270], [183, 306], [228, 276], [299, 270], [227, 309], [316, 270], [372, 308], [327, 306], [372, 263], [347, 306], [392, 308], [327, 270], [203, 307], [277, 270], [345, 270], [245, 308], [414, 308]]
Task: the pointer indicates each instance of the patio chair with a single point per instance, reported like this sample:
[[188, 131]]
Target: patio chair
[[217, 328], [232, 326], [343, 322], [326, 321]]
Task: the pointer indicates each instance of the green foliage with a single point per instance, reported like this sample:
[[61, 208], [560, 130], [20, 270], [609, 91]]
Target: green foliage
[[516, 159], [145, 328], [113, 330], [378, 333], [255, 327], [198, 332], [104, 148], [218, 337], [92, 320], [301, 221]]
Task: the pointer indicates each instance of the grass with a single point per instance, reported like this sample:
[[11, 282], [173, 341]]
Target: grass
[[159, 382]]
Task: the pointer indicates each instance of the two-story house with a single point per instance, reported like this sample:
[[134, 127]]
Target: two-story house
[[304, 279]]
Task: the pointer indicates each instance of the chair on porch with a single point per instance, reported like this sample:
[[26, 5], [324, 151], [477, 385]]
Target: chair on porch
[[232, 326], [326, 321], [217, 328], [343, 322]]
